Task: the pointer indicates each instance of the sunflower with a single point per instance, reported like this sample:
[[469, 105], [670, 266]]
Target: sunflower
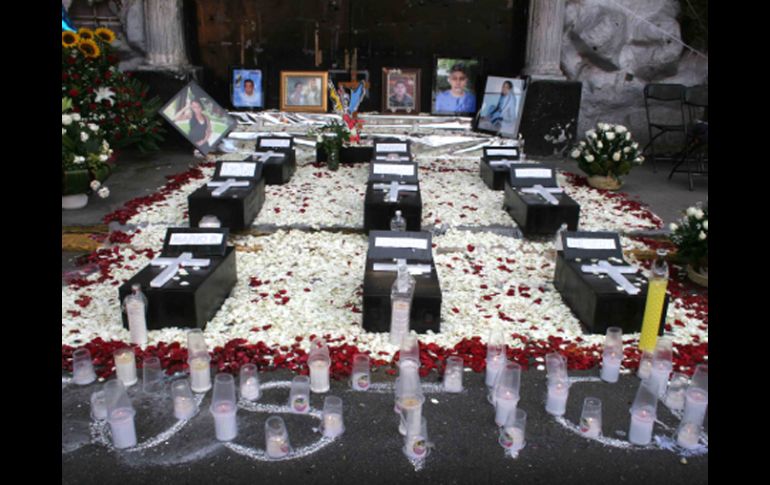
[[105, 34], [89, 48], [85, 33], [69, 38]]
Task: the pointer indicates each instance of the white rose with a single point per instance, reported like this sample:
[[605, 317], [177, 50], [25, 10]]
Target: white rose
[[591, 134], [639, 159], [616, 156], [620, 129], [698, 214], [319, 139], [95, 184], [702, 236], [582, 143], [63, 131], [66, 120], [103, 158], [78, 159], [589, 158], [691, 211], [83, 136], [105, 145], [603, 126], [706, 225], [626, 149], [104, 192], [610, 135], [673, 227], [628, 135], [635, 145], [76, 116], [93, 127], [575, 153]]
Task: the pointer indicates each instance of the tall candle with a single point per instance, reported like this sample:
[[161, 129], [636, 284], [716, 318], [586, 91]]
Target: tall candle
[[125, 367], [556, 404], [695, 404], [611, 367], [653, 308], [277, 446], [411, 412], [642, 421], [505, 404], [184, 407], [319, 376], [225, 424], [122, 427], [512, 438], [200, 374], [137, 321], [494, 365], [333, 425], [688, 435]]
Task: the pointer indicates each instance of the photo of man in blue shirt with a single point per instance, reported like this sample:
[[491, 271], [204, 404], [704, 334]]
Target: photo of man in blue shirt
[[458, 99], [247, 89]]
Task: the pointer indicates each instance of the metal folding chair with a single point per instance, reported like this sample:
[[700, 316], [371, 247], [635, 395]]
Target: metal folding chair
[[657, 99], [697, 134]]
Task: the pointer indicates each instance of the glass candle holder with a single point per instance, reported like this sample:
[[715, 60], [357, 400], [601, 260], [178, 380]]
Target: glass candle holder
[[643, 413], [611, 361], [495, 356], [676, 390], [410, 348], [125, 366], [82, 367], [453, 374], [223, 407], [200, 373], [360, 378], [249, 382], [556, 400], [513, 432], [185, 406], [152, 375], [276, 438], [98, 405], [299, 395], [509, 378], [416, 444], [645, 365], [333, 424], [319, 362], [120, 414], [411, 413], [591, 418], [688, 435], [196, 343]]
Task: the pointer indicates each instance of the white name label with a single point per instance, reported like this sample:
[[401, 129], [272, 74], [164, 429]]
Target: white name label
[[238, 169], [275, 142], [579, 243], [392, 169], [196, 239], [502, 151], [533, 173], [392, 147], [401, 242]]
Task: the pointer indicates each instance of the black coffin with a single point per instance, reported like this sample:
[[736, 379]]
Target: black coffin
[[354, 154], [494, 175], [378, 213], [597, 302], [235, 209], [535, 216], [426, 305], [189, 306], [277, 170]]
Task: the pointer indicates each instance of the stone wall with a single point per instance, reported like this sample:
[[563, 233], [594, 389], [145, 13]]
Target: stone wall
[[610, 48]]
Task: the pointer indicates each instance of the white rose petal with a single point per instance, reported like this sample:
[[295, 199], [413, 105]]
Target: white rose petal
[[104, 192], [95, 184]]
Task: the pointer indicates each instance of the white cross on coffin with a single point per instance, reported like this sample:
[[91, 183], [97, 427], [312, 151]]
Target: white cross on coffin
[[414, 269], [614, 272], [172, 266], [265, 156], [504, 163], [393, 157], [545, 192], [223, 186], [393, 189]]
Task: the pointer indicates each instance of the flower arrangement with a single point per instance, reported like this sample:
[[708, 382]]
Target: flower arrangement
[[85, 154], [342, 134], [691, 237], [105, 96], [607, 151]]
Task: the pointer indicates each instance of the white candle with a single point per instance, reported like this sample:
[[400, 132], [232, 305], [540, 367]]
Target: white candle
[[695, 403], [250, 389], [590, 427], [137, 322], [98, 405], [319, 376], [688, 436], [200, 374], [512, 438], [300, 403], [83, 374], [225, 424], [415, 446], [184, 407], [659, 378], [125, 367], [277, 447], [333, 425], [494, 366], [611, 367], [123, 430], [645, 366], [360, 381], [504, 406], [642, 422], [453, 381], [411, 416], [557, 399]]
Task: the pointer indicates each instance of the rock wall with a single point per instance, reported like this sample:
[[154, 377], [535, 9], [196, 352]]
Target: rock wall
[[616, 47]]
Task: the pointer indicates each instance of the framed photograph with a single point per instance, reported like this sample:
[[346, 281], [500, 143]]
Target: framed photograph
[[400, 90], [304, 91], [502, 106], [198, 117], [454, 86], [246, 88]]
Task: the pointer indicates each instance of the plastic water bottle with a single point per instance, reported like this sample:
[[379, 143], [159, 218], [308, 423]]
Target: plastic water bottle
[[401, 295], [398, 223]]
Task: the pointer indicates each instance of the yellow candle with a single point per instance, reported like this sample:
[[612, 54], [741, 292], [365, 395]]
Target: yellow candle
[[653, 310]]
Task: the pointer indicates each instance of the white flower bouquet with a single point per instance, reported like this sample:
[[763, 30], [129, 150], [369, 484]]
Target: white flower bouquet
[[691, 237], [608, 151], [85, 154]]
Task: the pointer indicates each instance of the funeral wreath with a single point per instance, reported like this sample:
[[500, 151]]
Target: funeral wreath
[[607, 153]]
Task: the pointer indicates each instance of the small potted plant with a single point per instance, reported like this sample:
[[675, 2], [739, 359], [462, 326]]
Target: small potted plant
[[332, 137], [691, 237], [607, 153], [85, 156], [343, 144]]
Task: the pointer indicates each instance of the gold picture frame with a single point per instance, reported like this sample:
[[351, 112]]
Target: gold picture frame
[[304, 91]]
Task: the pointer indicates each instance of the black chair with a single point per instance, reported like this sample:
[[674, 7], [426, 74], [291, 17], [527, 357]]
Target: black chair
[[697, 134], [657, 99]]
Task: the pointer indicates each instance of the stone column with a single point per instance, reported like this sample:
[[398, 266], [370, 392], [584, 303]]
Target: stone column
[[544, 36], [164, 34]]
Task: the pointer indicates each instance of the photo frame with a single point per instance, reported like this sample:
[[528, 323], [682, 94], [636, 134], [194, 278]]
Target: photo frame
[[400, 90], [199, 118], [304, 91], [247, 90], [502, 106], [455, 86]]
